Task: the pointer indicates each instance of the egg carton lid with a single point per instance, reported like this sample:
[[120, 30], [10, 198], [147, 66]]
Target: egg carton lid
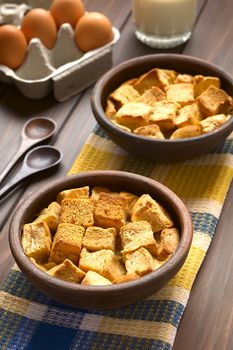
[[64, 69]]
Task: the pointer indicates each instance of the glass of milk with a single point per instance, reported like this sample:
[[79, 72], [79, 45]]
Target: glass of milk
[[164, 23]]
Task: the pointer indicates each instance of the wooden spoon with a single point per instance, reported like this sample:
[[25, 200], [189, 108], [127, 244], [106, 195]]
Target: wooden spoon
[[36, 161], [34, 131]]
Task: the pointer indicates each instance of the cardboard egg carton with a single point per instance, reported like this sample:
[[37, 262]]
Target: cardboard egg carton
[[64, 69]]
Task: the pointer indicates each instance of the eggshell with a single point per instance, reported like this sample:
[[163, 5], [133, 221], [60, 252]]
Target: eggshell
[[92, 31], [67, 11], [38, 23], [13, 46]]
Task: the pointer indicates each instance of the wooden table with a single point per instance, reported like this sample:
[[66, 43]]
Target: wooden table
[[208, 319]]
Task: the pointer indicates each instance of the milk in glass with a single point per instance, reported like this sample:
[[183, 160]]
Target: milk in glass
[[164, 23]]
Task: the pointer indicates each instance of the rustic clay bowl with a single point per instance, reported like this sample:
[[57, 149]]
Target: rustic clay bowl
[[102, 296], [164, 151]]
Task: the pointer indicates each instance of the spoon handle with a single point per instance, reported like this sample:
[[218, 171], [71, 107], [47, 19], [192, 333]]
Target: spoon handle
[[22, 174], [22, 148]]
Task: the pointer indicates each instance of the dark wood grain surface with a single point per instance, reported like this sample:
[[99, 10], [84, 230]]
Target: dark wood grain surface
[[207, 322]]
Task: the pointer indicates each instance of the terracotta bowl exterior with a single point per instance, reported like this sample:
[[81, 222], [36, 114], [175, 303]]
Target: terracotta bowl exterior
[[102, 297], [163, 151]]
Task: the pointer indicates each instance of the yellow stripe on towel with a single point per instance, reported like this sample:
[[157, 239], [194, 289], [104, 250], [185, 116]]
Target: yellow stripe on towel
[[134, 328]]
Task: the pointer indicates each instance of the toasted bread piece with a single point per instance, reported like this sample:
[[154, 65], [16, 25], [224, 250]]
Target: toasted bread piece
[[152, 131], [123, 95], [36, 241], [147, 209], [214, 101], [155, 77], [126, 278], [186, 132], [164, 114], [50, 215], [146, 81], [67, 243], [169, 240], [110, 109], [97, 238], [67, 271], [77, 211], [49, 265], [201, 83], [102, 261], [184, 78], [97, 190], [120, 266], [137, 234], [111, 211], [181, 93], [129, 198], [152, 96], [121, 126], [95, 279], [40, 266], [133, 115], [166, 77], [187, 115], [139, 261], [73, 193], [214, 122]]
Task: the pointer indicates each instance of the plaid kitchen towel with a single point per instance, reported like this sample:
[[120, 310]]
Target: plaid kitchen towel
[[30, 320]]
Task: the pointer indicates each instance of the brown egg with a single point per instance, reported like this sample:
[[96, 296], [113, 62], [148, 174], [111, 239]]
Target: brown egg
[[38, 23], [67, 11], [93, 30], [13, 46]]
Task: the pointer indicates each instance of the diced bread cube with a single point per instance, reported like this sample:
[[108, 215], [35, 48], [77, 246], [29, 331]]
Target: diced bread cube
[[214, 101], [95, 279], [146, 81], [110, 109], [74, 193], [50, 215], [186, 132], [164, 114], [77, 211], [184, 78], [97, 238], [152, 131], [122, 127], [181, 93], [36, 241], [111, 211], [201, 83], [126, 278], [123, 95], [49, 265], [152, 96], [137, 234], [214, 122], [140, 262], [187, 115], [97, 190], [155, 77], [133, 115], [102, 261], [146, 208], [40, 266], [67, 271], [169, 240], [129, 198], [166, 77], [67, 243]]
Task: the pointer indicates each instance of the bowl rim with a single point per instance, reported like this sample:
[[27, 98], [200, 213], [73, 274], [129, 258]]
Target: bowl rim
[[22, 260], [101, 117]]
